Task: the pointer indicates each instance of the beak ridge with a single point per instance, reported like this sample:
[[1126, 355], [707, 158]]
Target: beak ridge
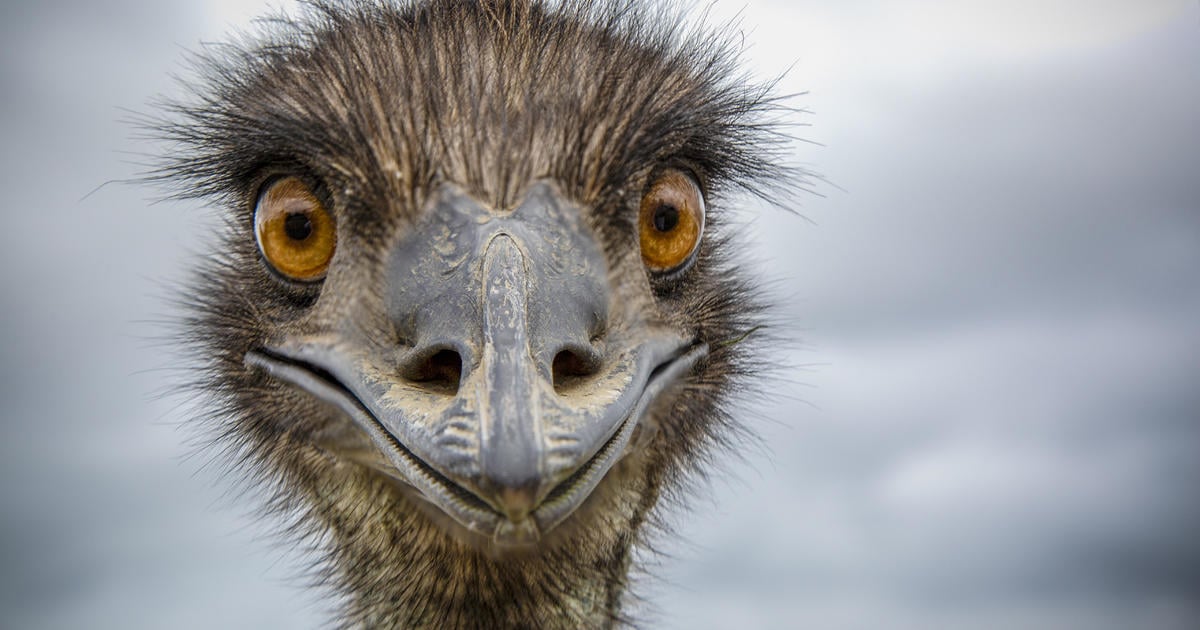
[[508, 393]]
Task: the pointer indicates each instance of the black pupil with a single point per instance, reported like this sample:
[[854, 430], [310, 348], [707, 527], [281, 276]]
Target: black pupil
[[297, 226], [666, 218]]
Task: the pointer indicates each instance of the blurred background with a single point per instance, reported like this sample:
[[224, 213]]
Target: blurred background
[[994, 421]]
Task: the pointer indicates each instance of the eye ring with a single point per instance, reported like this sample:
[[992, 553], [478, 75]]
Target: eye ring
[[671, 221], [295, 233]]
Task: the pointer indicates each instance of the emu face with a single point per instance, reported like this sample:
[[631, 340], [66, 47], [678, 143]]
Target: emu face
[[488, 358], [474, 294]]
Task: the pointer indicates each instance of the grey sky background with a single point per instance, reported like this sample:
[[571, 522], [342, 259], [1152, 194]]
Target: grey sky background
[[997, 424]]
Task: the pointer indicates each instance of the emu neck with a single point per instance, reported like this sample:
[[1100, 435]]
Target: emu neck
[[470, 590], [397, 569]]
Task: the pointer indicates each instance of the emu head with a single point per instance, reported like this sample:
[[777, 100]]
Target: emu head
[[475, 307]]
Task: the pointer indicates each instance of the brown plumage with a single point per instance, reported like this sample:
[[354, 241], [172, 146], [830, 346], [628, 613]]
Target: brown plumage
[[381, 109]]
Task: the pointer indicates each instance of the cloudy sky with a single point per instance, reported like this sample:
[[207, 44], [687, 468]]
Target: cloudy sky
[[995, 417]]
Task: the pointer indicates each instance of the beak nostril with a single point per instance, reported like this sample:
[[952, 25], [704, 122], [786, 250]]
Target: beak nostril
[[572, 367], [440, 371]]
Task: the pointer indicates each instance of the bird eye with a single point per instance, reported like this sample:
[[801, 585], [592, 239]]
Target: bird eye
[[671, 221], [294, 231]]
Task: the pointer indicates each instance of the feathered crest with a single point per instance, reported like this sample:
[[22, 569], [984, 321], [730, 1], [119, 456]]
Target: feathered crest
[[388, 96]]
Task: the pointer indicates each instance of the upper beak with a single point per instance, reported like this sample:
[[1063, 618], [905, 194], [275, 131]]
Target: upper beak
[[514, 393]]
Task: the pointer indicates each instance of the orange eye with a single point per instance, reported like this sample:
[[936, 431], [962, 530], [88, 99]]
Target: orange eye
[[671, 221], [295, 233]]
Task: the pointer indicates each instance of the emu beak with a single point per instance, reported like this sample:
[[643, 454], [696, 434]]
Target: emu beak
[[514, 393]]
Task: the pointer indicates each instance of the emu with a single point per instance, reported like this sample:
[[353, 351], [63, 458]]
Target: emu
[[477, 308]]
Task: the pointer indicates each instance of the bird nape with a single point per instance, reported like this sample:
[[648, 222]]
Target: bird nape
[[476, 308]]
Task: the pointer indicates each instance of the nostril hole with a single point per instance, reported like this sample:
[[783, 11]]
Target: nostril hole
[[571, 368], [440, 371]]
